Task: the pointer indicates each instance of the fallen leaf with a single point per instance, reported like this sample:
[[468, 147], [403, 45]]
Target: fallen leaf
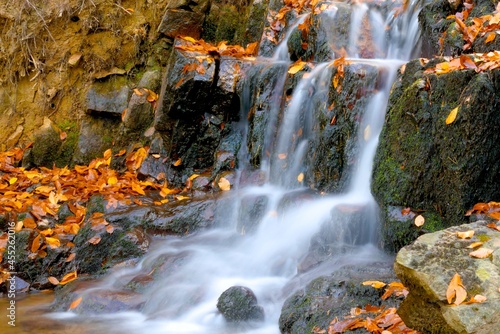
[[466, 234], [297, 66], [477, 299], [70, 257], [481, 253], [53, 280], [35, 244], [53, 242], [490, 38], [405, 211], [475, 244], [95, 240], [375, 284], [178, 162], [452, 116], [63, 135], [282, 156], [12, 180], [112, 180], [224, 184], [419, 220], [68, 278], [456, 290], [75, 303]]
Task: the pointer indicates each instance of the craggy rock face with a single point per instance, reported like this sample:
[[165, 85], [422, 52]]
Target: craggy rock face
[[427, 266], [424, 163]]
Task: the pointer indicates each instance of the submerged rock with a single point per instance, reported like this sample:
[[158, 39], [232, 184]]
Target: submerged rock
[[238, 303], [427, 266]]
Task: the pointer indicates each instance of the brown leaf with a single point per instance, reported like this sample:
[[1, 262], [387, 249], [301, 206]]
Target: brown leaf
[[70, 257], [63, 135], [405, 211]]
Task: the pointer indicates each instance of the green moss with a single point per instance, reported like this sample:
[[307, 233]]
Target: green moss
[[68, 146], [483, 237], [433, 222], [225, 23]]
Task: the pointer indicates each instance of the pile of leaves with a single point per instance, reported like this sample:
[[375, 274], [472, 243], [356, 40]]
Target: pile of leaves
[[374, 319], [221, 49]]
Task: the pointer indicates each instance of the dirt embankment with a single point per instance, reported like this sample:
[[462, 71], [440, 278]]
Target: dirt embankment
[[52, 50]]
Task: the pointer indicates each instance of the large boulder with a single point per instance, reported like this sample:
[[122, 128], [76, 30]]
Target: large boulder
[[239, 303], [428, 165], [427, 266]]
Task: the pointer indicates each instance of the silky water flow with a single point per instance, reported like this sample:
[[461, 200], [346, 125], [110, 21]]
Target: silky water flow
[[262, 250]]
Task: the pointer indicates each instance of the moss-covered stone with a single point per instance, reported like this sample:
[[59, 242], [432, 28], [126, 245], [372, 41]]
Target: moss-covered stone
[[425, 164]]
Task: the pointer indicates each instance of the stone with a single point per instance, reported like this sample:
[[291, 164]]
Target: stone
[[424, 163], [96, 136], [328, 297], [108, 97], [427, 266], [139, 114], [239, 304], [178, 22], [14, 137], [46, 144]]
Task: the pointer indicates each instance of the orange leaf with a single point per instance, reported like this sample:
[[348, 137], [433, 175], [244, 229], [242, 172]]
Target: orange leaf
[[224, 184], [405, 211], [68, 278], [75, 303], [95, 240], [375, 284], [53, 242], [456, 290], [36, 244], [63, 135], [53, 280], [178, 162], [477, 299], [29, 223], [297, 66], [475, 244], [466, 234], [110, 229], [70, 257]]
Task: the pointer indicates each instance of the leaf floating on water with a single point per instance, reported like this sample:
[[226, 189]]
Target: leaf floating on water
[[75, 303], [452, 116], [224, 184], [481, 253], [466, 234], [456, 290], [375, 284], [419, 220]]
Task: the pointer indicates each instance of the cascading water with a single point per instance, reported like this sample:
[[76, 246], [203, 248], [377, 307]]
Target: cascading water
[[205, 264]]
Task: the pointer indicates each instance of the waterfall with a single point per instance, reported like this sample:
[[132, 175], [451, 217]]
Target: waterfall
[[263, 251]]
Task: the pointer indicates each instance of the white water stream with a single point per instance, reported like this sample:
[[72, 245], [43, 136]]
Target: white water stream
[[184, 301]]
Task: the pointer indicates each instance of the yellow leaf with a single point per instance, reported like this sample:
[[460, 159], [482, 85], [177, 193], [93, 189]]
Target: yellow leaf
[[475, 244], [297, 66], [181, 198], [300, 178], [452, 116], [68, 278], [138, 189], [53, 242], [456, 290], [189, 39], [224, 184], [419, 220], [75, 303], [12, 180], [375, 284], [194, 176], [112, 180], [19, 226], [53, 280], [490, 38], [481, 253], [466, 234]]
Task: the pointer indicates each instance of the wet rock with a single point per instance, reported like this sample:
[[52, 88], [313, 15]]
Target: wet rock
[[424, 163], [139, 113], [154, 165], [427, 267], [46, 144], [194, 109], [255, 22], [238, 304], [184, 18], [434, 23], [14, 137], [108, 97], [96, 136], [329, 297], [252, 210]]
